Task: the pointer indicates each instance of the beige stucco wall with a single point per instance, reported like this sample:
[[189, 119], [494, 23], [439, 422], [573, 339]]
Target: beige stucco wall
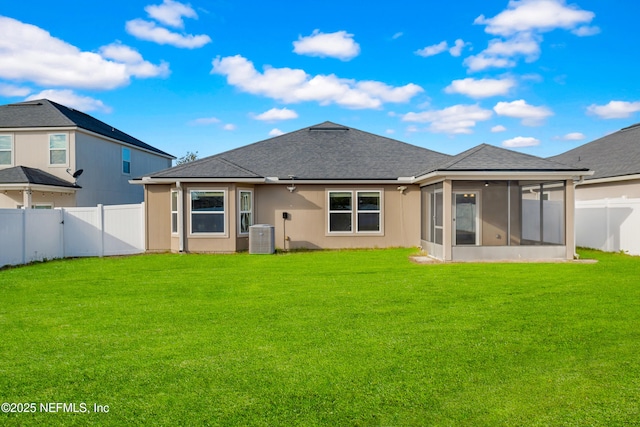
[[15, 198], [306, 226], [158, 217], [31, 148], [629, 189]]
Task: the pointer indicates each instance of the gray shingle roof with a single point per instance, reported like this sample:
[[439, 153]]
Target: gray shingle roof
[[45, 113], [614, 155], [26, 175], [488, 158], [329, 151], [324, 151]]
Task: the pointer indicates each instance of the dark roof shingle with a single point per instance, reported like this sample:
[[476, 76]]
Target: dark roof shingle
[[26, 175], [324, 151], [614, 155], [44, 113]]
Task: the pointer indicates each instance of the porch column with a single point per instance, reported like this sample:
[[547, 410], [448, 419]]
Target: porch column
[[26, 198], [447, 220], [570, 209]]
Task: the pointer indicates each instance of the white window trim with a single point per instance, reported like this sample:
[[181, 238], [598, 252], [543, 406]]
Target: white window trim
[[122, 151], [354, 212], [329, 212], [58, 165], [174, 212], [225, 212], [11, 150], [240, 211]]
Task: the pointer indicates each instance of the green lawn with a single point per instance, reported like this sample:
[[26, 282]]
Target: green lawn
[[336, 338]]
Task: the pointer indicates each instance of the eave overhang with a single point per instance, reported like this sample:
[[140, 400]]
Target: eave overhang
[[481, 175]]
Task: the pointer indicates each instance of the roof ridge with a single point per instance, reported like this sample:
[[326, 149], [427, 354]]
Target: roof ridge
[[460, 157], [235, 165]]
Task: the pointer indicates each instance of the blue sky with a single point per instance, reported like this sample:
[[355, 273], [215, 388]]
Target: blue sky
[[537, 76]]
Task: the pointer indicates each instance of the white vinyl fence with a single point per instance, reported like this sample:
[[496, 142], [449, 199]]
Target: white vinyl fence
[[610, 225], [28, 235]]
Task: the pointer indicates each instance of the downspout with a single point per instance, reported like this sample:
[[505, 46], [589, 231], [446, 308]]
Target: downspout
[[180, 217]]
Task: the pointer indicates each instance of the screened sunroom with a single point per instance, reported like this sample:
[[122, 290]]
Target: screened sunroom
[[484, 219]]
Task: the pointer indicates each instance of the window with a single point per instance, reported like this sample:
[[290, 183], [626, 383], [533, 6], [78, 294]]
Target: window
[[208, 211], [245, 211], [366, 212], [126, 161], [174, 211], [340, 211], [58, 149], [6, 150]]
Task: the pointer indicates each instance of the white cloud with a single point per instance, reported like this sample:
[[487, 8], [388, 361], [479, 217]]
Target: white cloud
[[456, 49], [529, 114], [482, 88], [535, 15], [275, 132], [455, 120], [171, 12], [229, 126], [498, 128], [586, 31], [335, 45], [573, 136], [147, 30], [433, 49], [390, 131], [521, 141], [205, 121], [276, 114], [72, 100], [524, 44], [520, 26], [500, 53], [614, 109], [12, 90], [29, 53], [482, 62], [397, 35], [295, 85], [134, 61]]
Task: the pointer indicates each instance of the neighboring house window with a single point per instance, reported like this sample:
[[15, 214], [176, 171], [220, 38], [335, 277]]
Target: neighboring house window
[[6, 150], [58, 149], [42, 206], [365, 216], [208, 211], [245, 211], [126, 161], [174, 211]]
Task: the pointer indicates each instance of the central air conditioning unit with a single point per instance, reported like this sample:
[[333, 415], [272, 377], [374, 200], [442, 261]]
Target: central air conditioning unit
[[262, 239]]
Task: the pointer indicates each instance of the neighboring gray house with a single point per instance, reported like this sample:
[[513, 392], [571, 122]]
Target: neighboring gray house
[[330, 186], [615, 160], [43, 144]]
